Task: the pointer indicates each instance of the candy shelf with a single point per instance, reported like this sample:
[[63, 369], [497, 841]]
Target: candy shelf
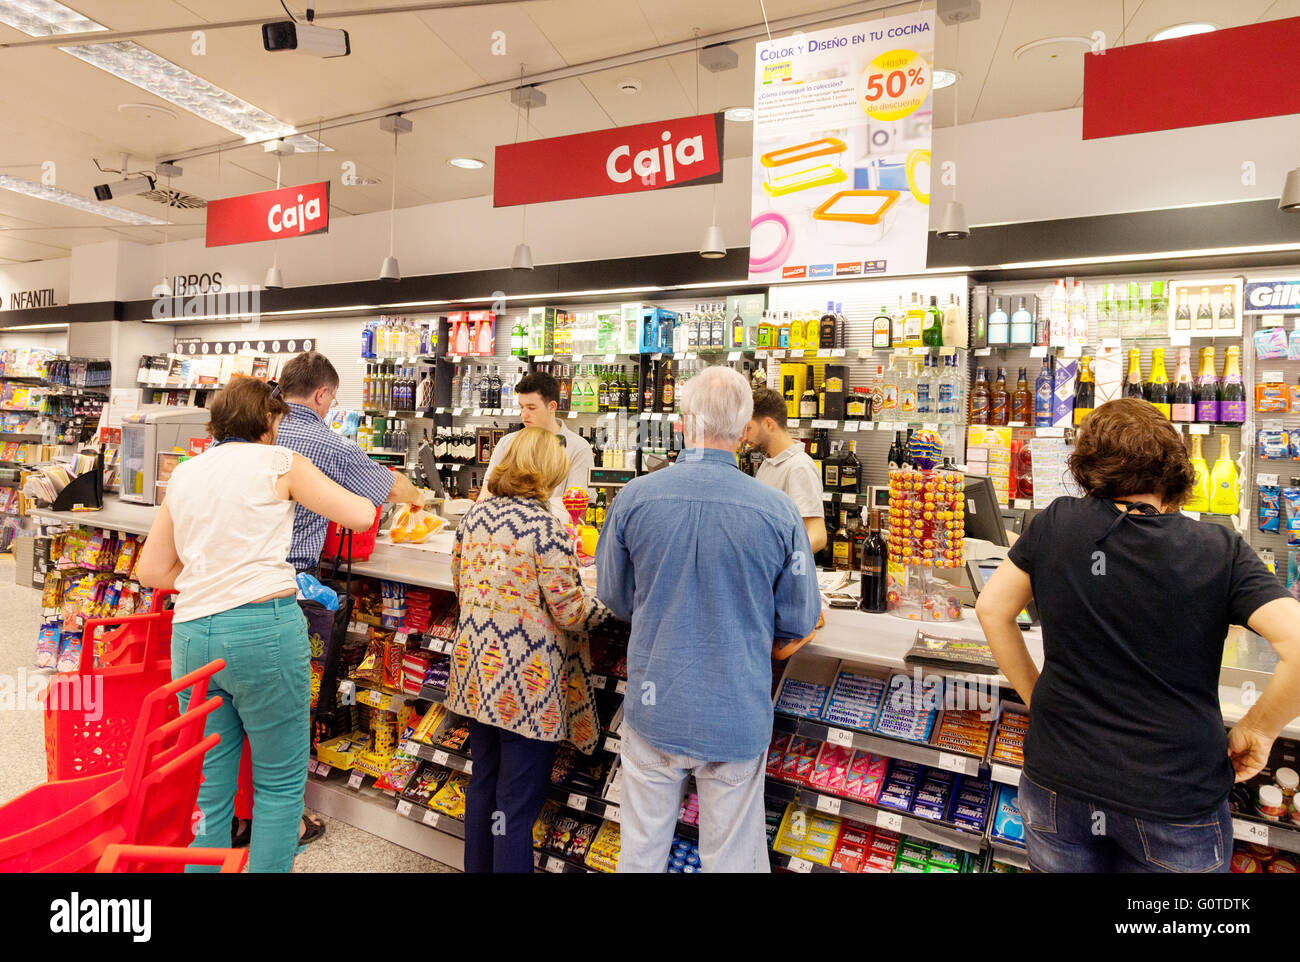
[[439, 821], [368, 693], [802, 866], [373, 812], [1009, 852], [891, 820], [590, 804], [441, 756], [880, 745], [555, 864], [1004, 773]]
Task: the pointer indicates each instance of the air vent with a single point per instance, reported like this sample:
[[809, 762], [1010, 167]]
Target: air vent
[[175, 198]]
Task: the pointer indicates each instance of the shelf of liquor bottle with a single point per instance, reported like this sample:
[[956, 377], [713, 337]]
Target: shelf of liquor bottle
[[404, 359], [468, 412], [390, 452], [393, 413], [918, 752]]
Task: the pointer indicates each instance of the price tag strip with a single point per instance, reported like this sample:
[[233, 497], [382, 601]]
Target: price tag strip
[[404, 808], [1244, 831], [355, 780]]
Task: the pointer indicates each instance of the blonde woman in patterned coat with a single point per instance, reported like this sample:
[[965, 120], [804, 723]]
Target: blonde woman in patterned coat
[[521, 668]]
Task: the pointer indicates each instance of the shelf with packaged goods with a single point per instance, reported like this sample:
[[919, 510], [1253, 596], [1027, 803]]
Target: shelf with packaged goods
[[372, 811], [1009, 852], [180, 387], [802, 866], [440, 756], [889, 819], [392, 413], [545, 861], [918, 752], [1005, 773], [1281, 835], [440, 821], [368, 693]]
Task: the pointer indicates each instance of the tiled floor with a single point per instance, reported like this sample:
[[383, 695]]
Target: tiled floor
[[22, 755]]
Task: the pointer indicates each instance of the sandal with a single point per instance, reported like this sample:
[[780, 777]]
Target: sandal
[[240, 838], [313, 827]]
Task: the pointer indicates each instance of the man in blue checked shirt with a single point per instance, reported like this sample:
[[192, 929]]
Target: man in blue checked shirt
[[709, 566], [310, 383]]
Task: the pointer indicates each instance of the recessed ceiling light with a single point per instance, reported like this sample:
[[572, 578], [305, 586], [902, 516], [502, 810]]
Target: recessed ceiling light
[[467, 163], [1052, 41], [148, 111], [739, 115], [945, 78], [45, 18], [1182, 30], [69, 199]]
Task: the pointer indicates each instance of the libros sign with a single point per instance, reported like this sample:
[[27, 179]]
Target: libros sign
[[624, 160]]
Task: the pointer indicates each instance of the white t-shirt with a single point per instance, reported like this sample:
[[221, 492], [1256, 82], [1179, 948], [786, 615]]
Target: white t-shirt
[[581, 461], [232, 530], [795, 473]]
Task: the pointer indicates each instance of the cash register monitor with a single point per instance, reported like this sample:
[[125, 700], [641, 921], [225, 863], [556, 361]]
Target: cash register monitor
[[983, 513]]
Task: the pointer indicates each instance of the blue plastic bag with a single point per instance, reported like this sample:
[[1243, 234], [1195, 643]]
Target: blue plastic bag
[[310, 589]]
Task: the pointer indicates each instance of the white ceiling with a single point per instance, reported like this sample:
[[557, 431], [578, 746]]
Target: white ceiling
[[54, 107]]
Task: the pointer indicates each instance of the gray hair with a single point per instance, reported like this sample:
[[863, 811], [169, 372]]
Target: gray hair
[[717, 403]]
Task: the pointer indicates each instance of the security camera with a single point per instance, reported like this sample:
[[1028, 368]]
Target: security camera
[[124, 188], [305, 38]]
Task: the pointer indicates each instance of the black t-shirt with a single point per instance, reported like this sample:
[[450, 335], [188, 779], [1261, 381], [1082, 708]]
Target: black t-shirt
[[1126, 710]]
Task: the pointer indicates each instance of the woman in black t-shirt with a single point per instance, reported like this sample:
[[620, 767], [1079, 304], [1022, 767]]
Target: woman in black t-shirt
[[1127, 764]]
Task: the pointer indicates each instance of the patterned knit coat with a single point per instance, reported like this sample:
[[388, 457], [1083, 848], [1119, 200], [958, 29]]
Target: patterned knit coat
[[521, 659]]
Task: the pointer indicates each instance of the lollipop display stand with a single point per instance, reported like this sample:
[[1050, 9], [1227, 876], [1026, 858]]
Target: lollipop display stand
[[927, 522], [575, 502]]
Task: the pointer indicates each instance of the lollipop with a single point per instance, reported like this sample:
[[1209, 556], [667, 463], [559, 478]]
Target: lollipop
[[926, 448], [575, 502]]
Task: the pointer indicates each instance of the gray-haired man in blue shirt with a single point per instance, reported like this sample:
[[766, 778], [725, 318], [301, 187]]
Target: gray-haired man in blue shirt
[[709, 566]]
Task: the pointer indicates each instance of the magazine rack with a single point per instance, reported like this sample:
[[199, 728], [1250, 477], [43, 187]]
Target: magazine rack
[[85, 491]]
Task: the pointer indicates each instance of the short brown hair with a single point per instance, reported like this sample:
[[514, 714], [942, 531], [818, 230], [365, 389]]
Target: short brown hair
[[244, 409], [306, 374], [1128, 447], [769, 404], [533, 466]]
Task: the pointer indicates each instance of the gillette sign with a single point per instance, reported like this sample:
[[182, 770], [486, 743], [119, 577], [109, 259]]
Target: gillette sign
[[269, 215], [624, 160], [1272, 297]]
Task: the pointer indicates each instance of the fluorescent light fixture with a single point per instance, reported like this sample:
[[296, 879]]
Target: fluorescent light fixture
[[1183, 30], [36, 327], [131, 62], [945, 78], [69, 199], [304, 144], [45, 18], [1154, 255], [467, 163], [739, 115]]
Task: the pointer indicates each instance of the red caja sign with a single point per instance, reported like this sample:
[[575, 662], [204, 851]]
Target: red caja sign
[[269, 215], [624, 160]]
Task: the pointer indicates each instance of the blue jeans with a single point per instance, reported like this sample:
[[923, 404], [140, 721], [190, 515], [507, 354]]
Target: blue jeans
[[1064, 833], [505, 793], [265, 692], [733, 827]]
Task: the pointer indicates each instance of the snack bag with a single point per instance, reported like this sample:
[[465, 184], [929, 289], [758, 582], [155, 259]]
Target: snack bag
[[1291, 498], [70, 653], [47, 644], [126, 557], [1270, 505]]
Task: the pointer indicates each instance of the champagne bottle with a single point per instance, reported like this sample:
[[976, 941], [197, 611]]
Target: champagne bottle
[[1200, 496], [1158, 388], [1207, 389], [1133, 383], [1183, 401], [1232, 397], [1223, 499], [1085, 391]]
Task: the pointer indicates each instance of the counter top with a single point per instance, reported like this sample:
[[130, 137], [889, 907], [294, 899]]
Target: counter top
[[116, 515]]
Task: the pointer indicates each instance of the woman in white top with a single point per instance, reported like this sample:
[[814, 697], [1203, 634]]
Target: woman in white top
[[221, 539]]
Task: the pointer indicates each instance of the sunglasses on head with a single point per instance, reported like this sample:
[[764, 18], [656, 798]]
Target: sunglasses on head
[[275, 389]]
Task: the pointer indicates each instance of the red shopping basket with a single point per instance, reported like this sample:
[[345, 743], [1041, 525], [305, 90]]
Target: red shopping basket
[[66, 826], [162, 858], [362, 545], [91, 713]]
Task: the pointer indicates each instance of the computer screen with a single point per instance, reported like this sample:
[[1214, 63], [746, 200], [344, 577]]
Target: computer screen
[[983, 513]]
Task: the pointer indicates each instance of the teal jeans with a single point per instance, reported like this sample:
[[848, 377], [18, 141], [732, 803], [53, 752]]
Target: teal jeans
[[265, 692]]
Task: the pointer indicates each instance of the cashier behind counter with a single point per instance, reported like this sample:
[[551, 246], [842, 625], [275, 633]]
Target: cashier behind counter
[[538, 396]]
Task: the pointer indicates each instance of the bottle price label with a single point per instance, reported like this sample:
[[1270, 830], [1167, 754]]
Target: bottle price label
[[439, 410], [983, 351], [824, 352], [839, 736], [1038, 351], [572, 415], [778, 354], [547, 357], [831, 425], [1198, 429], [1073, 350], [733, 356], [611, 358], [794, 422], [1179, 339], [850, 427], [656, 417], [578, 802], [837, 352], [864, 353], [456, 412], [831, 806], [356, 779]]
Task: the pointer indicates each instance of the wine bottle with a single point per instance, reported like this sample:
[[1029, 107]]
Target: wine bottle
[[1183, 402], [1200, 496], [1232, 396], [1223, 499], [1085, 391], [873, 567], [1158, 387], [1207, 389]]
